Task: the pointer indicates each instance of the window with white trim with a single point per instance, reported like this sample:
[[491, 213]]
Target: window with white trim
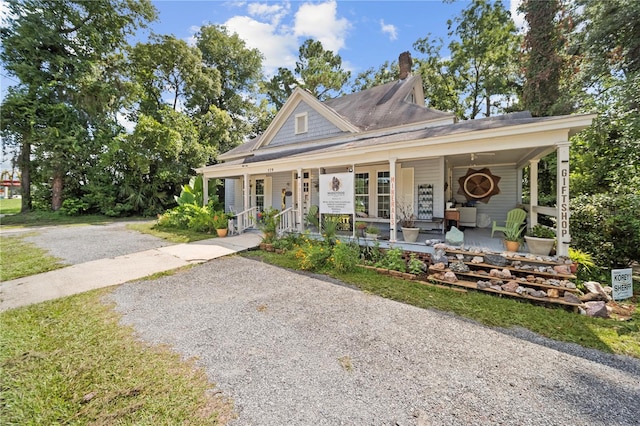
[[384, 194], [301, 121], [362, 192]]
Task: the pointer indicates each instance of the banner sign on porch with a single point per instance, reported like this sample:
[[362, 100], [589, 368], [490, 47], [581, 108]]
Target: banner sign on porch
[[622, 283], [336, 193]]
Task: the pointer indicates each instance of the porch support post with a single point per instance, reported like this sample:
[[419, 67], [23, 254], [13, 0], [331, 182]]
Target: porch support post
[[246, 192], [533, 191], [393, 233], [562, 197], [205, 190], [299, 200]]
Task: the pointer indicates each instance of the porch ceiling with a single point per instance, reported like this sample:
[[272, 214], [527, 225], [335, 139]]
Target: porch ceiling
[[518, 157]]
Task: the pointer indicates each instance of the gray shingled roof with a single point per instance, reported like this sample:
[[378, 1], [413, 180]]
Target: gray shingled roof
[[371, 109], [384, 106]]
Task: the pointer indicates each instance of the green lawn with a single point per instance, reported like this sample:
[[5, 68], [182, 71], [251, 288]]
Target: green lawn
[[69, 361], [10, 205], [20, 259]]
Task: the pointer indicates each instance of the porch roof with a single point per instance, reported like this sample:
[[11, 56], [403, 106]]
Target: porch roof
[[481, 129]]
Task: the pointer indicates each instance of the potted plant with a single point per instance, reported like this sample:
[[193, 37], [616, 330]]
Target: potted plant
[[407, 222], [513, 237], [540, 240], [580, 258], [371, 232], [221, 223], [361, 226]]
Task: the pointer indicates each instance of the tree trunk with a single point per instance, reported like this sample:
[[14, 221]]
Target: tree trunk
[[56, 196], [25, 178]]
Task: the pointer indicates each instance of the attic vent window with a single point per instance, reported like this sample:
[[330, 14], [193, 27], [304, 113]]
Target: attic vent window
[[301, 123]]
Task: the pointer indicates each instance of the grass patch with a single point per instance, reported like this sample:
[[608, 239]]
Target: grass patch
[[553, 322], [173, 235], [20, 259], [69, 361], [47, 218], [10, 205]]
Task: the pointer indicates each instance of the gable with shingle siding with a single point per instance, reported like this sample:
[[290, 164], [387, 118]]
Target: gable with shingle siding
[[318, 127]]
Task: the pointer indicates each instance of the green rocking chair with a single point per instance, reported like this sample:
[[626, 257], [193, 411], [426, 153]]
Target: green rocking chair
[[515, 219]]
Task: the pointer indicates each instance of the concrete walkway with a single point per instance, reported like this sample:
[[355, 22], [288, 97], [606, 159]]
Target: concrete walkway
[[117, 270]]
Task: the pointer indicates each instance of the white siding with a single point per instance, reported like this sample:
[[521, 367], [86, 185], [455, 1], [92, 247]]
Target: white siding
[[425, 172], [318, 127], [230, 196], [499, 204], [278, 183]]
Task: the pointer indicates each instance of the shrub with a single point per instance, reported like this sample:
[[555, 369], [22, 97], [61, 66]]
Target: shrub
[[541, 231], [74, 207], [345, 256], [607, 226], [313, 255], [392, 259]]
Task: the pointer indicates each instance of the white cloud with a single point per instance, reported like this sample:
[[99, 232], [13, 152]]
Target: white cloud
[[389, 29], [272, 12], [518, 18], [320, 22], [279, 50]]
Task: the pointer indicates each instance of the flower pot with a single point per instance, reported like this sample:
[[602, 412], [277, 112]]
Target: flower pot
[[511, 245], [541, 246], [222, 232], [372, 236], [410, 235]]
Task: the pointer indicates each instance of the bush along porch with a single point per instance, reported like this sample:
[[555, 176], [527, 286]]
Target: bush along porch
[[545, 280]]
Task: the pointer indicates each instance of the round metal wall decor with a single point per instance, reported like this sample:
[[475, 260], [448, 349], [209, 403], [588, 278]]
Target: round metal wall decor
[[479, 185]]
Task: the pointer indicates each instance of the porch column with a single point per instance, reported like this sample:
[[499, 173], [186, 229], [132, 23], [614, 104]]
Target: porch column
[[393, 233], [246, 192], [205, 190], [300, 201], [533, 191], [562, 197]]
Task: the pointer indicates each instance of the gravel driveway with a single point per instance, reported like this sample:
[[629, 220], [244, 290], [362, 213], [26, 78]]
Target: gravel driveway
[[295, 350], [84, 243]]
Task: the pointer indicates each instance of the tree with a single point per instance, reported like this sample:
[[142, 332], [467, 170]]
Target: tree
[[62, 53], [371, 77], [317, 70]]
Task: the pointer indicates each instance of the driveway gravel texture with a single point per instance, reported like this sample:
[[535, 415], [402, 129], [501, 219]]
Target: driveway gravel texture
[[83, 243], [295, 349]]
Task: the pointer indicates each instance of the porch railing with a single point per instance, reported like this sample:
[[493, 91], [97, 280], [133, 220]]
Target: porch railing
[[287, 220], [246, 219]]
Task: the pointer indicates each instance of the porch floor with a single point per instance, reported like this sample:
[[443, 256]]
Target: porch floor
[[473, 238]]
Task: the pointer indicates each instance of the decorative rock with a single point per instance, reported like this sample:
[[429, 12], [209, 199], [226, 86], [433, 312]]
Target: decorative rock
[[432, 242], [450, 277], [570, 297], [520, 290], [553, 292], [438, 266], [496, 259], [531, 278], [455, 237], [511, 286], [483, 284], [458, 267], [496, 287], [592, 297], [506, 273], [569, 284], [595, 287], [554, 282], [562, 269], [597, 309], [495, 273], [477, 259], [539, 293]]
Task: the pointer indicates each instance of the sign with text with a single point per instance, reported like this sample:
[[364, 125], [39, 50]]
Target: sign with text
[[336, 193], [622, 283]]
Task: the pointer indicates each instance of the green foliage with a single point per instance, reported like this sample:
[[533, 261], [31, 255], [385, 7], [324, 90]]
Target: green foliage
[[607, 226], [313, 255], [191, 217], [220, 220], [541, 231], [345, 256], [415, 266], [268, 220], [392, 259], [514, 233], [330, 227], [74, 207], [317, 70]]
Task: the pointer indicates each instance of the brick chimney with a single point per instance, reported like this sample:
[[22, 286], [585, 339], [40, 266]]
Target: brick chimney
[[405, 63]]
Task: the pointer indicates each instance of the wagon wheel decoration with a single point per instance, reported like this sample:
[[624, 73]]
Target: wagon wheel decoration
[[479, 185]]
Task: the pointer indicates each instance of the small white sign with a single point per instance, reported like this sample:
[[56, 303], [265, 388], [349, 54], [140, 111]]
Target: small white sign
[[337, 193], [622, 283]]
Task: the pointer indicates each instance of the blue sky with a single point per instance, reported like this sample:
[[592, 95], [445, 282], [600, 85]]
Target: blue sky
[[364, 33]]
